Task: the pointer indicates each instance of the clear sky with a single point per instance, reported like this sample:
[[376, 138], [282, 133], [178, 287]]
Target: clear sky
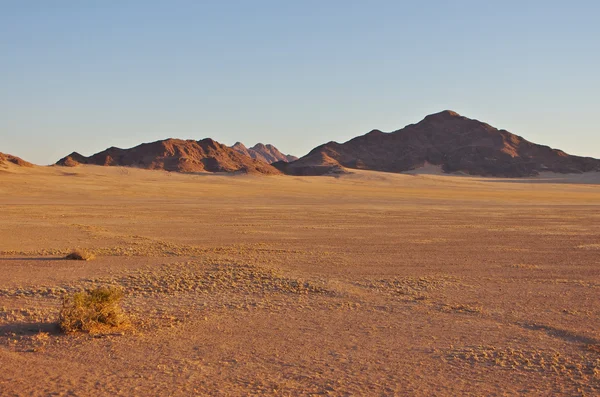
[[86, 75]]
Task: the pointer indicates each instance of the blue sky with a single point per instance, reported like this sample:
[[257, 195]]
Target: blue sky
[[86, 75]]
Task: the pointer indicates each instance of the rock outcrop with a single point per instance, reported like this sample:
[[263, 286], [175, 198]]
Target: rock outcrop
[[7, 159], [177, 155], [267, 153]]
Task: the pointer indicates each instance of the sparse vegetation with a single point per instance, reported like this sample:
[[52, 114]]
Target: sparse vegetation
[[94, 311], [461, 308], [525, 266], [81, 255], [281, 297]]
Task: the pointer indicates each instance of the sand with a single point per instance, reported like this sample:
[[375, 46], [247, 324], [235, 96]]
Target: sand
[[361, 284]]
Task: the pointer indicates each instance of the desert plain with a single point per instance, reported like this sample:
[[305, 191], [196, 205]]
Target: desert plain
[[367, 284]]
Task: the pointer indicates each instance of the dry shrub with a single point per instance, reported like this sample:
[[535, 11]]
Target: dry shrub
[[525, 266], [94, 311], [81, 255]]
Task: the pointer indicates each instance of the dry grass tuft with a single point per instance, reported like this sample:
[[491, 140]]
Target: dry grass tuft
[[93, 311], [460, 308], [81, 255], [593, 348], [525, 266]]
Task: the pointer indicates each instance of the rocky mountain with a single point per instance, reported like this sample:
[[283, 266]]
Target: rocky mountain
[[178, 155], [267, 153], [6, 159], [446, 139]]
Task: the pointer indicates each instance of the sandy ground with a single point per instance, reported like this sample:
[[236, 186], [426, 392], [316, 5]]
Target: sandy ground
[[367, 284]]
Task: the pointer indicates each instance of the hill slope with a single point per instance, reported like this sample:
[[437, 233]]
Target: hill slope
[[6, 159], [267, 153], [175, 155], [446, 139]]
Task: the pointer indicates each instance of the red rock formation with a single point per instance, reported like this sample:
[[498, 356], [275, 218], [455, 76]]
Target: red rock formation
[[267, 153], [454, 142], [10, 159], [175, 155]]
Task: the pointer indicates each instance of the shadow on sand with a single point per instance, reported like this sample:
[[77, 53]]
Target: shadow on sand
[[41, 258], [29, 328], [560, 333]]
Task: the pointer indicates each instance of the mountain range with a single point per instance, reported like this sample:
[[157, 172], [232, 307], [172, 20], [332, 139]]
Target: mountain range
[[177, 155], [454, 143]]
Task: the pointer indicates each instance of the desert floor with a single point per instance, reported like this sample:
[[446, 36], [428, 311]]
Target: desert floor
[[366, 284]]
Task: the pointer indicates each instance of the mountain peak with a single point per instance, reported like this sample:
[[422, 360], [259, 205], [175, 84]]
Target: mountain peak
[[446, 139], [266, 153], [443, 115]]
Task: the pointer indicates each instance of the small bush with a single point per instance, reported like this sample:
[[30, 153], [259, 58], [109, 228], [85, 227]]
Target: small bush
[[94, 311], [81, 255]]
